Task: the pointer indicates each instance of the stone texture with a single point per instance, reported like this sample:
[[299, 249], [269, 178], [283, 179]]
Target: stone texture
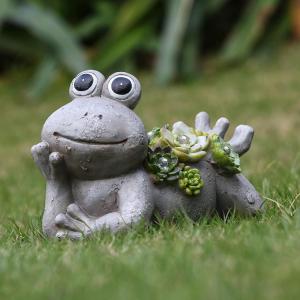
[[92, 154]]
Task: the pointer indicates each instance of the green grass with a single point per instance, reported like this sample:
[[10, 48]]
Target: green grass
[[213, 259]]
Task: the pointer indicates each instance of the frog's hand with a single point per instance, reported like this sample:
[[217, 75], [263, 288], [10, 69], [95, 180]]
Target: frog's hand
[[241, 139], [40, 154]]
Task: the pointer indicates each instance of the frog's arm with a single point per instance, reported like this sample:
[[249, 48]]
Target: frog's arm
[[135, 205], [58, 191]]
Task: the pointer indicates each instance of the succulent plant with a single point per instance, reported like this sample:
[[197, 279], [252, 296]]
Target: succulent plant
[[185, 142], [224, 156], [163, 165], [154, 137], [190, 181], [170, 148]]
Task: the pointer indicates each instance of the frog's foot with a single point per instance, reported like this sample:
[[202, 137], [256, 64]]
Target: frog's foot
[[236, 193], [74, 224], [241, 139]]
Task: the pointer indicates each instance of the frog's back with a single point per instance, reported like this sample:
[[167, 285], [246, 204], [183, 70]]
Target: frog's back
[[169, 198]]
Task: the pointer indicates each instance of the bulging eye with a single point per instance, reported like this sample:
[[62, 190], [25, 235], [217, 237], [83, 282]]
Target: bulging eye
[[121, 86], [87, 83], [83, 82]]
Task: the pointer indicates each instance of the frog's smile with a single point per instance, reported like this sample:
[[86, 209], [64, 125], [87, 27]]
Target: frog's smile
[[88, 141]]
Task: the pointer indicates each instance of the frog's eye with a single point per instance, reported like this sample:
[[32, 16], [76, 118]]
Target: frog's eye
[[122, 87], [87, 83]]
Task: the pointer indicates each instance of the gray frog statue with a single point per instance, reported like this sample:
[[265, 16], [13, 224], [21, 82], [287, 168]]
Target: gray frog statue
[[93, 154]]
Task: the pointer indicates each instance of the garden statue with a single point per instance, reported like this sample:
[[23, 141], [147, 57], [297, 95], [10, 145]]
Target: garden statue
[[103, 171]]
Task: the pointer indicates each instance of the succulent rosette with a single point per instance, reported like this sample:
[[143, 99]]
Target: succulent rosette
[[224, 156], [187, 144], [154, 138], [163, 165], [170, 148], [190, 181]]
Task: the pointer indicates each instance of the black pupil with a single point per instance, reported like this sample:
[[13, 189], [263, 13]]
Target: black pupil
[[83, 82], [121, 85]]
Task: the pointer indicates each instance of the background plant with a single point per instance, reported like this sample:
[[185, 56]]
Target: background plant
[[173, 38]]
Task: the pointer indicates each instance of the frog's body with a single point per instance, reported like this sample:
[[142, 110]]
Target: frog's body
[[92, 154]]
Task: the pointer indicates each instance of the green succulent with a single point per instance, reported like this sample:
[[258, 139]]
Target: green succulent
[[154, 137], [224, 156], [163, 165], [188, 144], [190, 181]]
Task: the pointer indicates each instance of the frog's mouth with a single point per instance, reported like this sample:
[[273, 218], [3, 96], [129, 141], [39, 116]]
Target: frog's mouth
[[88, 141]]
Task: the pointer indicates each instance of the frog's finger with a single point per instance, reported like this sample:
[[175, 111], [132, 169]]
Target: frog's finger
[[73, 235], [202, 122], [221, 127], [56, 164], [40, 154]]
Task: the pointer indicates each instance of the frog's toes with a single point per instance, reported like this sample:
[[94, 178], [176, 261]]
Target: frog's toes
[[67, 234], [76, 213], [65, 221]]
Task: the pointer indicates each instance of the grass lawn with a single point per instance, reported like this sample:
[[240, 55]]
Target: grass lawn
[[235, 259]]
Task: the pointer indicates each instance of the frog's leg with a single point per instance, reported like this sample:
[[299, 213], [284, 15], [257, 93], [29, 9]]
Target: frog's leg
[[58, 191], [135, 205], [234, 192]]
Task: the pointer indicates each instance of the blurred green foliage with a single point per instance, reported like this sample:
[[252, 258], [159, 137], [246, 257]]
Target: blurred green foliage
[[172, 37]]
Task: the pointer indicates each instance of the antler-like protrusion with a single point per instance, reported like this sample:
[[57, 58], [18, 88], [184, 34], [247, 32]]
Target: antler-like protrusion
[[202, 123], [241, 139]]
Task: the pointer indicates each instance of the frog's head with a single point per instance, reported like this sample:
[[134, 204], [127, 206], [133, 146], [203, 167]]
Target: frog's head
[[97, 132]]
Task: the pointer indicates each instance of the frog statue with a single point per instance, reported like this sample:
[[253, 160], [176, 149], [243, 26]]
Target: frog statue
[[93, 154]]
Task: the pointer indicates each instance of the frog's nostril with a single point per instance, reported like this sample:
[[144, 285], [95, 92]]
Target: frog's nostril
[[100, 117], [86, 114], [251, 200]]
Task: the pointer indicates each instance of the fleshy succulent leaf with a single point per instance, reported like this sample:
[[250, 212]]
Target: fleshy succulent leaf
[[224, 156], [190, 181]]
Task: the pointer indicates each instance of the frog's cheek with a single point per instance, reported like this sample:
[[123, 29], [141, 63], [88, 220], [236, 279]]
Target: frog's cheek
[[96, 161]]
